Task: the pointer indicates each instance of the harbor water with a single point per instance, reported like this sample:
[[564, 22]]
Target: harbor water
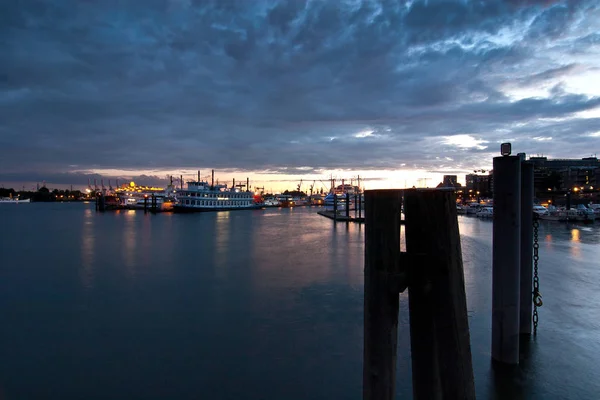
[[262, 304]]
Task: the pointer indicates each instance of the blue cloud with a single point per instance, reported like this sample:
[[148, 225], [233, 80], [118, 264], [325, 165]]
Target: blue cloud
[[184, 84]]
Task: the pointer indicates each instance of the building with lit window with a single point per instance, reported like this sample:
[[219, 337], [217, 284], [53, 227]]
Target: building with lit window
[[565, 174], [554, 178], [479, 185]]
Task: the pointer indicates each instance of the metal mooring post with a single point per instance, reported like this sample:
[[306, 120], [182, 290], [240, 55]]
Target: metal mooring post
[[527, 194], [506, 259]]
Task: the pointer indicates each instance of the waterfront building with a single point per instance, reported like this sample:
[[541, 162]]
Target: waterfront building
[[479, 185], [450, 181], [566, 174]]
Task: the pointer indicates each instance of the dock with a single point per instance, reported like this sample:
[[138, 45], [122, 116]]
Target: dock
[[340, 216]]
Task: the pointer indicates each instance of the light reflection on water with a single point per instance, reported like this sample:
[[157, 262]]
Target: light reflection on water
[[129, 241], [88, 236], [575, 235], [252, 305]]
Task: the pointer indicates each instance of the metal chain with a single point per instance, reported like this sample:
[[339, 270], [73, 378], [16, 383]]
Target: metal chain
[[537, 296]]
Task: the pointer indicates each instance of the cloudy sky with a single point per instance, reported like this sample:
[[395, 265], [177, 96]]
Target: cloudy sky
[[397, 91]]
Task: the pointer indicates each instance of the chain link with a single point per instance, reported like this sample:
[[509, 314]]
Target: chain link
[[537, 296]]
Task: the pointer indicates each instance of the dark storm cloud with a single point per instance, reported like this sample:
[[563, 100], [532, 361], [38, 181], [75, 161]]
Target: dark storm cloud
[[281, 85]]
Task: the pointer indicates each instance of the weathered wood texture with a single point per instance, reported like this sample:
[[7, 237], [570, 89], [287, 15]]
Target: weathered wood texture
[[506, 259], [439, 327], [347, 205], [382, 285]]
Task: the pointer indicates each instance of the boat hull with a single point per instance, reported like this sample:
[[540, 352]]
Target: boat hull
[[15, 201], [183, 209]]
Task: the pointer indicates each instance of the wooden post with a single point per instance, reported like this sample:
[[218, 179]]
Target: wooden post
[[506, 259], [335, 207], [383, 282], [145, 204], [359, 206], [102, 202], [347, 205], [439, 328], [355, 203]]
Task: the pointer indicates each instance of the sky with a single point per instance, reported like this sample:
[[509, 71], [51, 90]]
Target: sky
[[398, 92]]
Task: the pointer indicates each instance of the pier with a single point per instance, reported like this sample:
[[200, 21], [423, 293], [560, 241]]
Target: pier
[[340, 217]]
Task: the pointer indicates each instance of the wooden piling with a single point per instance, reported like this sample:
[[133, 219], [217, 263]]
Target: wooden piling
[[101, 203], [335, 207], [506, 259], [359, 206], [347, 205], [384, 279], [439, 329]]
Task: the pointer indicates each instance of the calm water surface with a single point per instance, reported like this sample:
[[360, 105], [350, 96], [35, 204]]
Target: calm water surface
[[250, 305]]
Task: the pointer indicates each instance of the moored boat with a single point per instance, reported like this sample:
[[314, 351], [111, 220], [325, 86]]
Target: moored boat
[[585, 214], [317, 200], [285, 200], [202, 196], [300, 201], [13, 200], [560, 215], [485, 212], [271, 202], [539, 210]]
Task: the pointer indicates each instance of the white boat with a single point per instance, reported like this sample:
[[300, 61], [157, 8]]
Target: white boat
[[560, 215], [271, 202], [202, 196], [540, 210], [141, 200], [13, 200], [585, 214], [329, 201], [485, 212], [472, 208]]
